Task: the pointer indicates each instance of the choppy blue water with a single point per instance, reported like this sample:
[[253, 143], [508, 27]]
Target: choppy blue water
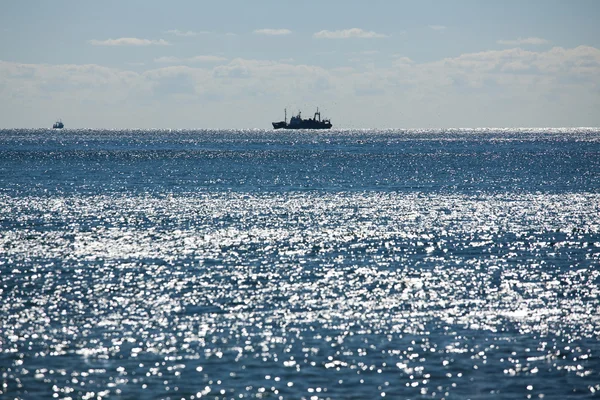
[[257, 264]]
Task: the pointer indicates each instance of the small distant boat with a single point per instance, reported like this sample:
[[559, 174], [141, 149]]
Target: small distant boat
[[58, 125], [297, 122]]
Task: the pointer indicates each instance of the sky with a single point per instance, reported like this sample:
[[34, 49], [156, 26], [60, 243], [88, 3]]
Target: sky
[[132, 64]]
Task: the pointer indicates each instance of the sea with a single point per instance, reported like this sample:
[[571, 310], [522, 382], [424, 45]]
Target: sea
[[342, 264]]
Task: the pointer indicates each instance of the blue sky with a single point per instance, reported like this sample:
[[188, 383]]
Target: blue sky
[[237, 64]]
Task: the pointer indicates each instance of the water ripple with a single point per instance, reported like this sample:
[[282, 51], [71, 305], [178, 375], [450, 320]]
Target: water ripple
[[300, 295]]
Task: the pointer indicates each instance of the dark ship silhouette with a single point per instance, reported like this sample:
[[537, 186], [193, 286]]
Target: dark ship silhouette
[[58, 125], [298, 123]]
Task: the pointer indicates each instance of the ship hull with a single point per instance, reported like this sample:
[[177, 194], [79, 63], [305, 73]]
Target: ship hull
[[328, 126], [283, 125]]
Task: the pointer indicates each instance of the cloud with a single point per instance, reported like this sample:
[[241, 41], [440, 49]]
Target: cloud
[[521, 41], [272, 32], [129, 42], [365, 52], [508, 86], [348, 33], [172, 81], [437, 27], [177, 32], [207, 58], [402, 61], [195, 59], [66, 82], [556, 61], [168, 60]]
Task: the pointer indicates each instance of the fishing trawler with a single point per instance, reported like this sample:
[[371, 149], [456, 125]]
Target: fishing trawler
[[296, 122], [58, 125]]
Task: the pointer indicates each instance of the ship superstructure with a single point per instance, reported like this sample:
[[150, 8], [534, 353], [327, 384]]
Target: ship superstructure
[[296, 122]]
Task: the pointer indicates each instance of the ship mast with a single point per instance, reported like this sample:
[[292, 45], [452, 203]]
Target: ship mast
[[285, 115]]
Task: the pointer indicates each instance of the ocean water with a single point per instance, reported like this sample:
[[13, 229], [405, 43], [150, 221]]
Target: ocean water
[[456, 264]]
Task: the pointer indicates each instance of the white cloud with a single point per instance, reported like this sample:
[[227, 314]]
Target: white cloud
[[272, 32], [521, 41], [437, 27], [207, 58], [195, 59], [129, 42], [348, 33], [177, 32], [558, 60], [402, 61], [499, 87], [168, 60]]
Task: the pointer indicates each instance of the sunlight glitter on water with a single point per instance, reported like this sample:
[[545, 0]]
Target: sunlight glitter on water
[[300, 295]]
